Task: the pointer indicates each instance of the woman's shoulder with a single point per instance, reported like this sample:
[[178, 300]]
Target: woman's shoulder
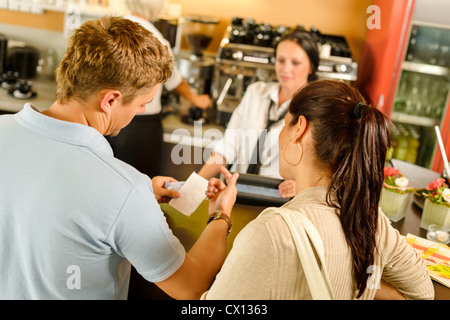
[[268, 232], [261, 232], [266, 223], [271, 220]]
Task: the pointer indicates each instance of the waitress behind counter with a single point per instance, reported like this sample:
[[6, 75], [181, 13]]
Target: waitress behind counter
[[259, 118]]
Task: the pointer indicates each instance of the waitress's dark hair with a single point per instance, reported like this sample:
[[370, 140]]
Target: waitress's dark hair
[[350, 141], [306, 41]]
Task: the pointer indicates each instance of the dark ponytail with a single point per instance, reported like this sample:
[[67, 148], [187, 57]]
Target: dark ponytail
[[351, 141]]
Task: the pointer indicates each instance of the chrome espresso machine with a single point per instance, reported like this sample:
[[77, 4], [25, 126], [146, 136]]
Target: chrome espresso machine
[[197, 68], [246, 55]]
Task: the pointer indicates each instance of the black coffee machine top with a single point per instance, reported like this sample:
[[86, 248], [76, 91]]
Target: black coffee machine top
[[247, 31], [338, 44]]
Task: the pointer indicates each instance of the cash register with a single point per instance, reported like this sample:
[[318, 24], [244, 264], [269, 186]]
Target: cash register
[[259, 190]]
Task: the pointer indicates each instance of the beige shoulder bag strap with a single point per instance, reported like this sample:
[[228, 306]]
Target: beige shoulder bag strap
[[305, 236]]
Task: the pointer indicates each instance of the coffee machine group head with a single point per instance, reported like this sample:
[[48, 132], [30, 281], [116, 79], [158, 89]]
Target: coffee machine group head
[[197, 68]]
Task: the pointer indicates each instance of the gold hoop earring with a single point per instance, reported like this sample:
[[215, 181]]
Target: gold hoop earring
[[301, 154]]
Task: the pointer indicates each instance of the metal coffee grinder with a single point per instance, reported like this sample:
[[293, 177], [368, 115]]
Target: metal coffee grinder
[[195, 67]]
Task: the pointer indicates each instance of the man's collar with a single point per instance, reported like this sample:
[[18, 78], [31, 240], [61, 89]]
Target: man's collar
[[68, 132]]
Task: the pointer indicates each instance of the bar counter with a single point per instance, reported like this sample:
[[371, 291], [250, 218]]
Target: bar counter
[[188, 229]]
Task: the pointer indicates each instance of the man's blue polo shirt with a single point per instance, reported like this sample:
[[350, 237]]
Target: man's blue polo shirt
[[73, 217]]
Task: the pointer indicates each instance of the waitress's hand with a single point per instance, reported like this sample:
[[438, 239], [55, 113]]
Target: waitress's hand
[[286, 189], [162, 194], [222, 197], [202, 101]]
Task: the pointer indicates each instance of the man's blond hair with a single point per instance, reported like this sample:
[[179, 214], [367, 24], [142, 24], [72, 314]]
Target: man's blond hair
[[111, 53]]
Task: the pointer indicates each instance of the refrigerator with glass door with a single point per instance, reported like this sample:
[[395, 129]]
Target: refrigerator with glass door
[[405, 72]]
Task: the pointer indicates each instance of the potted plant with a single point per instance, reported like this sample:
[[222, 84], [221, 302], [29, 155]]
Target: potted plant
[[437, 204], [395, 195]]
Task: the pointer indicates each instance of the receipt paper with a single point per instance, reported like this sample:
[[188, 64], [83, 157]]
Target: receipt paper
[[192, 194]]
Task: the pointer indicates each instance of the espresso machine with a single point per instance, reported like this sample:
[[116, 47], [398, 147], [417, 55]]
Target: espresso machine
[[247, 54], [194, 66]]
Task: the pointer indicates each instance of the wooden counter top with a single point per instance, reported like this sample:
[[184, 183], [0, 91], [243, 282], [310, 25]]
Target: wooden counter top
[[45, 89]]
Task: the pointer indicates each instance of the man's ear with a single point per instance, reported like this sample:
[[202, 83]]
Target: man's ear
[[108, 99]]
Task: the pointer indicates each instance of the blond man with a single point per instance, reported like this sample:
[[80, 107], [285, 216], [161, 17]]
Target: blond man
[[73, 217], [138, 143]]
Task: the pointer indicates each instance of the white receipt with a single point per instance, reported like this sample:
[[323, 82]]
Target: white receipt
[[192, 194]]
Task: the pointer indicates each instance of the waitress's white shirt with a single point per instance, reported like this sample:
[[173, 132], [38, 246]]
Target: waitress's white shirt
[[174, 81], [245, 126]]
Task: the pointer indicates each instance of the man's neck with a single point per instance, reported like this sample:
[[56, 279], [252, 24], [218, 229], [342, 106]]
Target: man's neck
[[70, 111]]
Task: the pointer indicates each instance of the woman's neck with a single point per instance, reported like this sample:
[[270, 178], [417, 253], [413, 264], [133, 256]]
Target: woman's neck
[[310, 177]]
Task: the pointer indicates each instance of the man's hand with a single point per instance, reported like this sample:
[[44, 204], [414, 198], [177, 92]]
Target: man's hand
[[162, 194]]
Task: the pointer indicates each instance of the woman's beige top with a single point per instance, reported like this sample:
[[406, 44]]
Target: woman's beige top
[[264, 264]]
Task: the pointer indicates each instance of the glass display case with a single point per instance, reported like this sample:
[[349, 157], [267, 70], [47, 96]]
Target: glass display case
[[422, 93]]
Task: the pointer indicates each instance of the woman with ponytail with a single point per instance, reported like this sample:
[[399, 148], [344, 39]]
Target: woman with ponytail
[[333, 145]]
